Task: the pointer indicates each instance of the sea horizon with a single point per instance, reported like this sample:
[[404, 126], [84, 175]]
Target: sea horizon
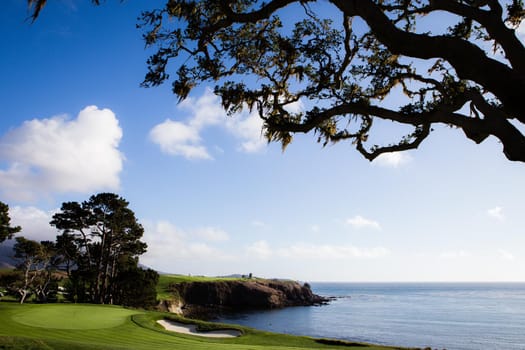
[[441, 315], [400, 282]]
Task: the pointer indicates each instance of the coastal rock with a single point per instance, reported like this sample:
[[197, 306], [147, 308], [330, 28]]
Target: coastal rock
[[203, 298], [173, 306]]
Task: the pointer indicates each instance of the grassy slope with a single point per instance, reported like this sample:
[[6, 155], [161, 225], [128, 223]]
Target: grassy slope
[[165, 280], [52, 326], [163, 292]]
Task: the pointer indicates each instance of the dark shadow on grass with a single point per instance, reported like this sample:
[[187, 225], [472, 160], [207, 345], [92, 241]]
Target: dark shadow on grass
[[339, 343]]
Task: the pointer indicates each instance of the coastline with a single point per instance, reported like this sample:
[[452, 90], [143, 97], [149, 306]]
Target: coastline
[[452, 315], [209, 299]]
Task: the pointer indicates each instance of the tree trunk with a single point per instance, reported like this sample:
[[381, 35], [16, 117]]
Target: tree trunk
[[23, 295]]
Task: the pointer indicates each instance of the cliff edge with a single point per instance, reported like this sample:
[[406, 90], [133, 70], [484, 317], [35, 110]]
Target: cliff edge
[[198, 299]]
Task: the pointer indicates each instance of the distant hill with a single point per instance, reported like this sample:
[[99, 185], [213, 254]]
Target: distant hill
[[6, 254], [6, 266]]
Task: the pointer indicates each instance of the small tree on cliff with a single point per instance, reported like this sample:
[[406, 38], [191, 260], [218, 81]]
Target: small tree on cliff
[[346, 64]]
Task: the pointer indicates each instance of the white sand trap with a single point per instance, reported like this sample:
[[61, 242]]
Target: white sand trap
[[192, 330]]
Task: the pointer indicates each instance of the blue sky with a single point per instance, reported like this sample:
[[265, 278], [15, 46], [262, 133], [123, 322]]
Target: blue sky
[[213, 197]]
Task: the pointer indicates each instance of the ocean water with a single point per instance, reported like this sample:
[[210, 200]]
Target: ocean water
[[452, 316]]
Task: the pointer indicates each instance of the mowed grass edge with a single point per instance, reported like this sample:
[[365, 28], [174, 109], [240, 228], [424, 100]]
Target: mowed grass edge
[[130, 329]]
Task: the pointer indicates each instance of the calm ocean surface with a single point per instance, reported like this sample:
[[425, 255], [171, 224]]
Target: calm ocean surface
[[452, 316]]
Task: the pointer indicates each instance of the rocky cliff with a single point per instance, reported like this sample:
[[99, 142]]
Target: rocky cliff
[[197, 298]]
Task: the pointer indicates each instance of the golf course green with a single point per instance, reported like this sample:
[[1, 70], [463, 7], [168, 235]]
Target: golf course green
[[99, 327], [63, 316]]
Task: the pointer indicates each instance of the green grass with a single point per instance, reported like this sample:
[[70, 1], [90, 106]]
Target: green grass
[[65, 316], [163, 292], [96, 327]]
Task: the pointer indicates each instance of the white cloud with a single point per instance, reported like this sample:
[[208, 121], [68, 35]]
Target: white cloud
[[212, 234], [62, 155], [204, 251], [359, 222], [455, 254], [295, 107], [163, 239], [169, 244], [330, 252], [521, 32], [506, 255], [496, 213], [393, 159], [183, 138], [179, 139], [259, 250], [248, 129], [34, 222], [205, 111]]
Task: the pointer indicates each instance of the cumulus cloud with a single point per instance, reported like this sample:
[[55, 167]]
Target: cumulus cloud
[[204, 111], [496, 213], [505, 255], [393, 159], [204, 251], [59, 154], [305, 251], [184, 138], [260, 250], [331, 252], [179, 139], [248, 130], [359, 222], [168, 243], [171, 249], [455, 254], [212, 234], [34, 223]]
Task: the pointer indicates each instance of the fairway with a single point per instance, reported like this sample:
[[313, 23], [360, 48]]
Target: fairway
[[100, 327], [59, 316]]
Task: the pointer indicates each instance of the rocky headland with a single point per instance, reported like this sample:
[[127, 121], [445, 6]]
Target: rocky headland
[[207, 299]]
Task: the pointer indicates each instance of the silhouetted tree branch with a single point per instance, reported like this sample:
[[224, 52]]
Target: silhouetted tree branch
[[370, 61]]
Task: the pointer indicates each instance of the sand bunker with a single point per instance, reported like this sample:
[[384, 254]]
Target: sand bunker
[[192, 330]]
